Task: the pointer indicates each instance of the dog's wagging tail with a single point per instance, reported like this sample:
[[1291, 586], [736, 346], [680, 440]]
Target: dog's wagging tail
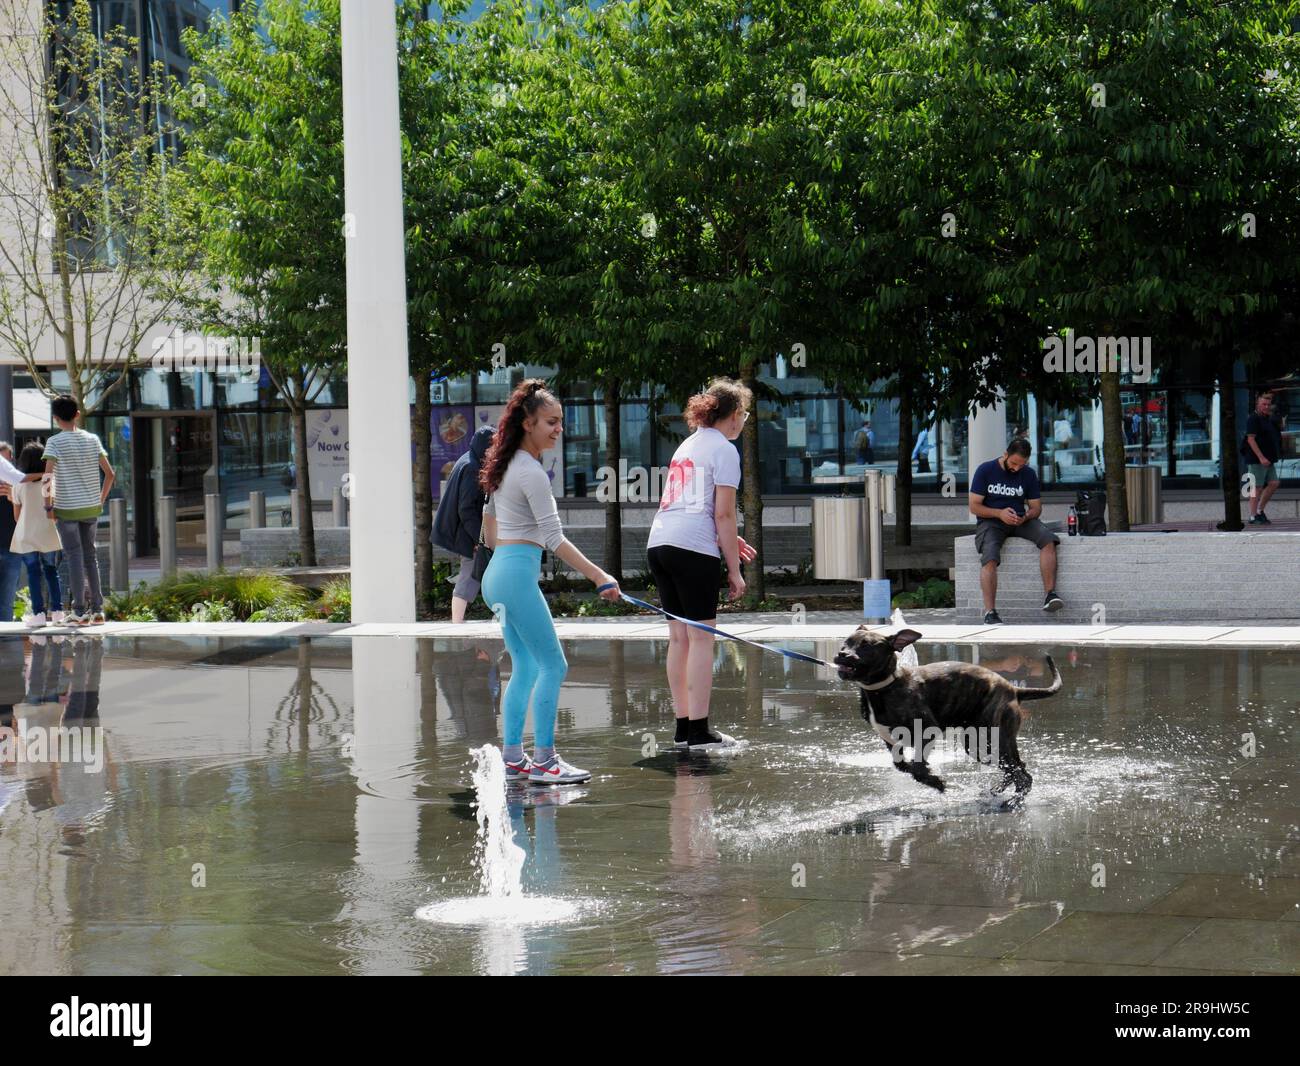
[[1042, 693]]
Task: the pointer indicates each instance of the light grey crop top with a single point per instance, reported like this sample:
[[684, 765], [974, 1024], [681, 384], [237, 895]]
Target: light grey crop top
[[524, 505]]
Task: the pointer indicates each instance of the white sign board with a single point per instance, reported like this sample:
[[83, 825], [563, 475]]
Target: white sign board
[[327, 450]]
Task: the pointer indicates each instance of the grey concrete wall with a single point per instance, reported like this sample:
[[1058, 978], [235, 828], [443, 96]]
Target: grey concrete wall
[[1143, 577]]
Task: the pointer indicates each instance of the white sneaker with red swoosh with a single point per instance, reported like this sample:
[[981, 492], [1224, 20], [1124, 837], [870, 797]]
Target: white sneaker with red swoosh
[[518, 771], [555, 771]]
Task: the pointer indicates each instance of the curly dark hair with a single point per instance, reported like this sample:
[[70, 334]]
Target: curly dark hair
[[720, 400], [527, 399]]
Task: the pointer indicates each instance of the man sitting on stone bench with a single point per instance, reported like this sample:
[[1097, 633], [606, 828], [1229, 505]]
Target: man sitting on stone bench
[[1006, 498]]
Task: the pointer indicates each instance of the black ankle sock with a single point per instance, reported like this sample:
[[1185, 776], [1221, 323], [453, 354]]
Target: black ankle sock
[[683, 730], [699, 730]]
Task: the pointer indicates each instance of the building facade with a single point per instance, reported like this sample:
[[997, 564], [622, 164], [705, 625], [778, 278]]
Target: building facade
[[185, 433]]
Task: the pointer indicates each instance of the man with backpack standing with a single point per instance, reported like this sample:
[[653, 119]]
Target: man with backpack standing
[[1262, 449], [459, 520], [864, 443]]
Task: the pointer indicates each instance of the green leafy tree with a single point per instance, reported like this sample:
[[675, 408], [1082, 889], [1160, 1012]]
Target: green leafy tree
[[1151, 156], [84, 199], [262, 182]]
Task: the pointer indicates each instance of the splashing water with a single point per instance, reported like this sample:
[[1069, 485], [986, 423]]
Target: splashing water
[[906, 657], [500, 862]]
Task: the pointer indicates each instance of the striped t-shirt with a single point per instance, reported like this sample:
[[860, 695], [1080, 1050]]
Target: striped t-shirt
[[76, 474]]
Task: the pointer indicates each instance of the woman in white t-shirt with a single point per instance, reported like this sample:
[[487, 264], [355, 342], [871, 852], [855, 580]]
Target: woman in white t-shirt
[[692, 533]]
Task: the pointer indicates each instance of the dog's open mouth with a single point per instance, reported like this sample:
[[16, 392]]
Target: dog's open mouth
[[846, 670]]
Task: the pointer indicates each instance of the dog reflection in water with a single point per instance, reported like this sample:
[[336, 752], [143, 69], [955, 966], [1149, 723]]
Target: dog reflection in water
[[900, 701]]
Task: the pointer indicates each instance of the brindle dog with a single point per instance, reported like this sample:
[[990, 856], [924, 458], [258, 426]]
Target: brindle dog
[[939, 696]]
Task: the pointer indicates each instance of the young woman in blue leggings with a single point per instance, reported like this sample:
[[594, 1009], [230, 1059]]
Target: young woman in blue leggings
[[520, 519]]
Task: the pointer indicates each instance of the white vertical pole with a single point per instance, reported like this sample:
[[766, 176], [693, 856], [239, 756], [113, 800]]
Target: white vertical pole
[[386, 739], [382, 530], [987, 434]]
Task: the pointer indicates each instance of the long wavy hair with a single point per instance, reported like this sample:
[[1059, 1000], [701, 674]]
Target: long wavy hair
[[527, 399]]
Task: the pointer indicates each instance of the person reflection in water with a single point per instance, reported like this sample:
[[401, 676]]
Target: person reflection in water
[[57, 735], [470, 679]]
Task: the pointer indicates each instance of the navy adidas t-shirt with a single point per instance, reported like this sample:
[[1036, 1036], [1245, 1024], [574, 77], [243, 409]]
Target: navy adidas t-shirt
[[1001, 488]]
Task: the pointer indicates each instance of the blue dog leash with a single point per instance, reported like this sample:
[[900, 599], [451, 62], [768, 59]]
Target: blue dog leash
[[717, 632]]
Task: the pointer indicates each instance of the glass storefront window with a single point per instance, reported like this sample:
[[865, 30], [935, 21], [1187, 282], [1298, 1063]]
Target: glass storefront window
[[234, 390], [335, 394], [177, 390], [495, 386], [788, 379], [451, 391], [878, 444], [1072, 445], [1145, 423], [586, 445], [670, 430], [114, 432], [116, 401], [798, 440], [1194, 416], [277, 454]]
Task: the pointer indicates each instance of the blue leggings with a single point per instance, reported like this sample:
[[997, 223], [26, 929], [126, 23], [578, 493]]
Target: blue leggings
[[537, 660]]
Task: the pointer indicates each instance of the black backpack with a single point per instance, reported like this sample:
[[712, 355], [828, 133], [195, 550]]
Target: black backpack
[[1090, 507]]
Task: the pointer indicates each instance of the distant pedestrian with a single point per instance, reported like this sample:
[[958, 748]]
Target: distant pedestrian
[[921, 453], [74, 459], [459, 520], [11, 563], [1262, 449], [864, 444], [36, 541]]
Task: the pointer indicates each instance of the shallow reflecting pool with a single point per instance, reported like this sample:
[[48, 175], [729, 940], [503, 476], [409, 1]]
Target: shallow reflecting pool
[[287, 806]]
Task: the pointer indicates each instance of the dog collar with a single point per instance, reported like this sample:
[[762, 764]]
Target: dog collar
[[875, 686]]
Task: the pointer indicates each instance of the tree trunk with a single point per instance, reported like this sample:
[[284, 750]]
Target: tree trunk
[[613, 561], [752, 487], [1112, 421], [903, 487], [1230, 467], [302, 483], [421, 432]]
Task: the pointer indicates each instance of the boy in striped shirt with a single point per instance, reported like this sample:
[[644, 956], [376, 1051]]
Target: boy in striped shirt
[[74, 458]]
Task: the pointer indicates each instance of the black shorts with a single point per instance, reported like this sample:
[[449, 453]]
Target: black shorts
[[991, 532], [688, 582]]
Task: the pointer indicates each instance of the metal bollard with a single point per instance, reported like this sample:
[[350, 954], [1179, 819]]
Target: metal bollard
[[214, 522], [257, 509], [340, 505], [167, 536], [875, 590], [875, 525], [119, 578]]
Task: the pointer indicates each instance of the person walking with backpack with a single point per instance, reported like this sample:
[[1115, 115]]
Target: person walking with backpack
[[521, 518], [74, 459], [459, 521], [864, 444]]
